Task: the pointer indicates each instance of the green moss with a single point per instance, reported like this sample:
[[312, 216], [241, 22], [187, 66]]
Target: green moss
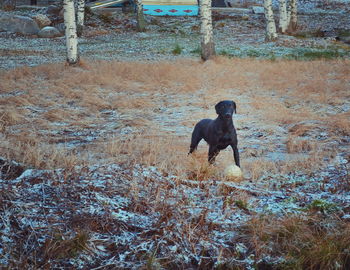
[[314, 54], [344, 33], [241, 204], [326, 54], [196, 51], [177, 50], [224, 53], [310, 34], [253, 53], [322, 206]]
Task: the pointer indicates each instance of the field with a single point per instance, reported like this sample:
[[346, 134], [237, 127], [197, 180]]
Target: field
[[94, 164], [107, 143]]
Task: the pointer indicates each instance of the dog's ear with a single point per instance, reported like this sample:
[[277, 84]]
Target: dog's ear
[[217, 107], [234, 106]]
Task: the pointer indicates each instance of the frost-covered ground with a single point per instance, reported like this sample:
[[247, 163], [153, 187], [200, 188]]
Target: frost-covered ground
[[107, 217], [106, 183], [104, 180]]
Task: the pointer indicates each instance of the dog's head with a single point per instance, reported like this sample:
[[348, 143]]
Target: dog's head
[[225, 108]]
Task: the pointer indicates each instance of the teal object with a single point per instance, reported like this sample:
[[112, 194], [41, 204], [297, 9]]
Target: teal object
[[171, 10]]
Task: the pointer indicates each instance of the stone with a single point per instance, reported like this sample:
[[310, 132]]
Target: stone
[[18, 24], [49, 32], [61, 27], [42, 20], [258, 10], [9, 5], [53, 10]]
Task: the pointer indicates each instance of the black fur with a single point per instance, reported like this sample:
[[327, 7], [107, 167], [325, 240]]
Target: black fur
[[218, 133]]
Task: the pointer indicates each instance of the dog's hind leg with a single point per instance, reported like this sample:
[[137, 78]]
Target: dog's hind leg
[[196, 138]]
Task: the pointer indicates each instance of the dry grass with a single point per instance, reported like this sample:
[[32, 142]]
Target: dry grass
[[312, 242], [52, 103], [297, 145], [131, 113]]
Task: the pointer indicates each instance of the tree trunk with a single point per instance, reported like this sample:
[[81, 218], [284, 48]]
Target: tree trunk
[[141, 23], [71, 32], [207, 43], [80, 17], [293, 15], [271, 34], [288, 13], [283, 22]]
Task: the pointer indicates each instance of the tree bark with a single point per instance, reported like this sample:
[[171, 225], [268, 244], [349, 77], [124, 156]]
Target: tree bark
[[207, 42], [288, 13], [271, 34], [71, 32], [80, 17], [293, 24], [283, 20], [141, 23]]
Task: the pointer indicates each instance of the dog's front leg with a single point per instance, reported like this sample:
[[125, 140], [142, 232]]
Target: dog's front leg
[[213, 152], [236, 154]]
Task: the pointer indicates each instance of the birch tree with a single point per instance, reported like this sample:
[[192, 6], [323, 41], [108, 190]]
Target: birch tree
[[207, 42], [141, 23], [288, 13], [71, 32], [283, 19], [80, 17], [293, 23], [270, 21]]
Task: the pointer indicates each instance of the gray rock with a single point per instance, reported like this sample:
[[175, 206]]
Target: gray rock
[[9, 5], [42, 20], [18, 24], [53, 10], [61, 27], [49, 32], [258, 10]]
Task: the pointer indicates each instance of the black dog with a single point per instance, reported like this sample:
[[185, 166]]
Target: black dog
[[218, 133]]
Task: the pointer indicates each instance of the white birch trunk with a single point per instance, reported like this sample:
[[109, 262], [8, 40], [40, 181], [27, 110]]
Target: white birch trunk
[[207, 42], [270, 21], [71, 32], [80, 17], [141, 23], [293, 15], [288, 13], [283, 20]]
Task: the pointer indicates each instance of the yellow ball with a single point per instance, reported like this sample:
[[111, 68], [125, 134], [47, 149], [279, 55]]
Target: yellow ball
[[233, 172]]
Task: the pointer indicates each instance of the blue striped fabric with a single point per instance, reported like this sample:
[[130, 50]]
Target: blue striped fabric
[[171, 10]]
